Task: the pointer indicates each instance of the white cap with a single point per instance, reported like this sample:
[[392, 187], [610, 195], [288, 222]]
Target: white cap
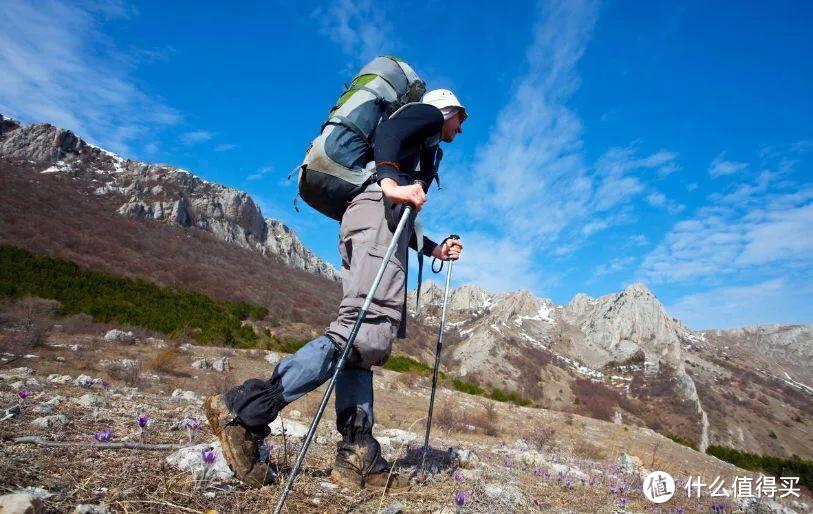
[[443, 98]]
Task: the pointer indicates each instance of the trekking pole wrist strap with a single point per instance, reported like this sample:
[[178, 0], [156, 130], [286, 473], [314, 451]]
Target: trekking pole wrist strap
[[454, 237]]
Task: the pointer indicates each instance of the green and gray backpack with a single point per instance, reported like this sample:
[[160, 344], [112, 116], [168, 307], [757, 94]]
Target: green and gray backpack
[[339, 163]]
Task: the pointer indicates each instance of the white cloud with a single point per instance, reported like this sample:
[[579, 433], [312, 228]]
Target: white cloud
[[58, 67], [361, 27], [224, 147], [777, 300], [760, 226], [498, 264], [658, 199], [720, 167], [260, 173], [614, 266], [195, 137]]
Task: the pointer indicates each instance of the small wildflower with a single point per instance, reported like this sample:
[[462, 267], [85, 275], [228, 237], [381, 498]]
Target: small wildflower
[[461, 498], [208, 456], [457, 475], [679, 510], [105, 384], [569, 483], [623, 502], [142, 421], [103, 436], [537, 472], [192, 427], [25, 393], [614, 489], [86, 383], [547, 475]]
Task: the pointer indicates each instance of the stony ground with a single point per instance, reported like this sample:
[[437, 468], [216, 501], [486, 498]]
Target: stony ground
[[487, 456]]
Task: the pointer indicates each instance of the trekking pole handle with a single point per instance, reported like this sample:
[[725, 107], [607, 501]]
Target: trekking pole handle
[[453, 237]]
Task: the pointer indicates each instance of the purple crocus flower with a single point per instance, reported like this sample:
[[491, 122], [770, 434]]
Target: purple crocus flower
[[142, 420], [569, 483], [614, 489], [679, 510], [461, 498], [86, 382], [103, 436], [105, 384], [537, 472], [25, 393], [208, 456], [718, 508], [623, 502], [193, 424], [457, 475]]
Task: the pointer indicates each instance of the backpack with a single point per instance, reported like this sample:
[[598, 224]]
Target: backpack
[[339, 162]]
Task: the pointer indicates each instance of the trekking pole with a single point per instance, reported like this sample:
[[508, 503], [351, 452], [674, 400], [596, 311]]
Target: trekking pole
[[343, 356], [437, 360]]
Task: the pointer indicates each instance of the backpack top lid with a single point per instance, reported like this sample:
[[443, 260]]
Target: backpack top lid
[[399, 75]]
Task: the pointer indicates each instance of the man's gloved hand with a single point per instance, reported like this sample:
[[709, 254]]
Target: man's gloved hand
[[449, 250], [412, 194]]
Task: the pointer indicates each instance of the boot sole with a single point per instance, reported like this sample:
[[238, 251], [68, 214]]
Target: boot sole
[[353, 485]]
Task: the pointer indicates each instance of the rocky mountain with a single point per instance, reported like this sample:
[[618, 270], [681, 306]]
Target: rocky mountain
[[158, 192], [628, 344]]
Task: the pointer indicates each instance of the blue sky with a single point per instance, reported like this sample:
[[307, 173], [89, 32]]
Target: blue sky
[[608, 142]]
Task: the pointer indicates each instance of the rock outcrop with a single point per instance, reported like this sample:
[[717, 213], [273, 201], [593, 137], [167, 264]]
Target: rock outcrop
[[160, 192]]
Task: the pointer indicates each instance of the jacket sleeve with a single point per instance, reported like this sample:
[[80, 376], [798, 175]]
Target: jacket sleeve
[[406, 130], [428, 244]]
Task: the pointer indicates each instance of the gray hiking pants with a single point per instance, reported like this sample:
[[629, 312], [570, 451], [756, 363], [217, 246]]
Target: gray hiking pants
[[363, 240]]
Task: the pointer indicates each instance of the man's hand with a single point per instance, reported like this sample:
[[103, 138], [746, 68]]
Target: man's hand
[[449, 250], [412, 195]]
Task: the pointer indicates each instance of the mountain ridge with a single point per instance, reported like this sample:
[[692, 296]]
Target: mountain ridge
[[160, 192]]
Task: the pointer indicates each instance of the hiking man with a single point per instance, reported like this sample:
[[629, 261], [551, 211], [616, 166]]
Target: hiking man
[[405, 150]]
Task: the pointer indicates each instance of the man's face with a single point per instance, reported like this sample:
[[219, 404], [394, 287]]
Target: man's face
[[452, 127]]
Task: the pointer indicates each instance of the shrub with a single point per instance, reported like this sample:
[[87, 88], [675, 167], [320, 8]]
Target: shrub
[[467, 387], [403, 364], [776, 466], [681, 440], [108, 298], [164, 361], [127, 372]]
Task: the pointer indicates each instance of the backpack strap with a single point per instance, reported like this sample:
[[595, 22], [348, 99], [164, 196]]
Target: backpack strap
[[346, 122]]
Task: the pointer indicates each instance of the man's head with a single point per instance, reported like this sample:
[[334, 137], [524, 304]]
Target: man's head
[[453, 112]]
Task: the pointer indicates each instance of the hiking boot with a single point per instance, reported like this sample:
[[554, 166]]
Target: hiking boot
[[241, 446], [360, 465]]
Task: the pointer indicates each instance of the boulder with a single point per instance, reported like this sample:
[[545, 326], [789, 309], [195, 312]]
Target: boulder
[[467, 459], [20, 503], [119, 336], [84, 380], [628, 463], [189, 459], [53, 421], [189, 396], [200, 364], [85, 508], [90, 400], [56, 378], [292, 428], [221, 364], [504, 495]]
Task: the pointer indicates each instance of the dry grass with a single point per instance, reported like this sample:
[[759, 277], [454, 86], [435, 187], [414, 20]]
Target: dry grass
[[164, 361]]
